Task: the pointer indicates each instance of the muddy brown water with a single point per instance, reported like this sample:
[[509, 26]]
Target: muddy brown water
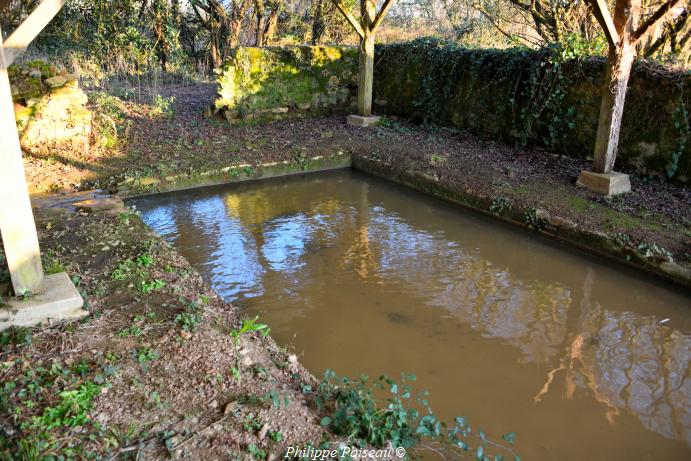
[[506, 328]]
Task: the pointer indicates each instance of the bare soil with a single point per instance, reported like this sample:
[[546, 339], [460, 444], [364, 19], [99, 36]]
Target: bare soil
[[203, 395]]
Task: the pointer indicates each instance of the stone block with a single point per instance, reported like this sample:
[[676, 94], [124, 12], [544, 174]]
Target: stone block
[[100, 204], [361, 120], [604, 183], [58, 301], [56, 82]]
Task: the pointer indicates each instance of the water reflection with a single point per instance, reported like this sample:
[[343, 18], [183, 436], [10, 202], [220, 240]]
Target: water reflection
[[310, 246]]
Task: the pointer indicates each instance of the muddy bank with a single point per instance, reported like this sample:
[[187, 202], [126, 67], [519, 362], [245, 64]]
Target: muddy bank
[[153, 371]]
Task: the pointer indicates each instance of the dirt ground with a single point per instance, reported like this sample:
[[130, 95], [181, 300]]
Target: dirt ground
[[161, 391]]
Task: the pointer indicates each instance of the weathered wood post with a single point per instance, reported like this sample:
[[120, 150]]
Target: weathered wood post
[[54, 296], [366, 28], [623, 34], [16, 218]]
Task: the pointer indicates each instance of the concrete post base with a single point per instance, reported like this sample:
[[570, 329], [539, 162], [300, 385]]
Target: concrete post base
[[58, 301], [604, 183], [361, 120]]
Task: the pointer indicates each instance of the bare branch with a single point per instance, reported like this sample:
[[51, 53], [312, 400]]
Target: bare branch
[[660, 15], [351, 19]]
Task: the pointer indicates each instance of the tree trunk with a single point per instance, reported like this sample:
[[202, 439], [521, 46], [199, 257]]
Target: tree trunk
[[216, 57], [612, 108]]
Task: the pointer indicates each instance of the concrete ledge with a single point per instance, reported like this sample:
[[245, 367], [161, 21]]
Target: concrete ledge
[[361, 120], [235, 173], [604, 183], [593, 242], [59, 301]]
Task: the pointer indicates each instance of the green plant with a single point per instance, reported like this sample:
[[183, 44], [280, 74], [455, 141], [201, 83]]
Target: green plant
[[256, 452], [499, 205], [51, 263], [622, 239], [131, 268], [155, 400], [146, 355], [148, 286], [15, 336], [276, 436], [71, 411], [353, 410], [654, 252], [437, 160], [190, 318], [163, 106], [532, 219], [249, 326], [132, 330]]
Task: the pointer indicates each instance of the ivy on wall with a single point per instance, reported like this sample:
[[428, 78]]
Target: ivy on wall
[[548, 97]]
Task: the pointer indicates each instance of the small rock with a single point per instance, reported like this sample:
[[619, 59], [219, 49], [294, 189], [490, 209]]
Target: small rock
[[213, 404], [230, 406], [243, 351], [185, 335], [246, 361], [56, 82], [292, 358], [263, 431]]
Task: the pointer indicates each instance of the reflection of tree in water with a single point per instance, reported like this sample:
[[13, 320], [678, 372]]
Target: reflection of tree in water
[[530, 316], [628, 361], [623, 359]]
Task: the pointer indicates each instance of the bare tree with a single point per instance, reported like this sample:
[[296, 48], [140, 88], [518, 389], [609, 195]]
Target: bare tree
[[266, 13]]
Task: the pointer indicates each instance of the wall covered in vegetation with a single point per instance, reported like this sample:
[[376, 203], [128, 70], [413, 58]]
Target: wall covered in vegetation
[[535, 98], [50, 109], [274, 82]]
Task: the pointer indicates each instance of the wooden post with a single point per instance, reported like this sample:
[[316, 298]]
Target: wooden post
[[623, 34], [366, 29], [366, 74], [616, 82], [16, 218], [17, 224]]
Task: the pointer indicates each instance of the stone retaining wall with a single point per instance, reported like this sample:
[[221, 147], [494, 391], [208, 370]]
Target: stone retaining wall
[[276, 82]]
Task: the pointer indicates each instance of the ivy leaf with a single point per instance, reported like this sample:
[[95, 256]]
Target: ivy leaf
[[510, 437]]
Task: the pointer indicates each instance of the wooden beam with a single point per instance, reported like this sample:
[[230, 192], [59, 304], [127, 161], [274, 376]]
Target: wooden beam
[[20, 39], [382, 13], [660, 15], [16, 218], [603, 16], [351, 19]]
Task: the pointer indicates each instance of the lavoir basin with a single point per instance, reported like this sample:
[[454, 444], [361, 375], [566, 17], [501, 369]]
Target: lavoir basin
[[504, 327]]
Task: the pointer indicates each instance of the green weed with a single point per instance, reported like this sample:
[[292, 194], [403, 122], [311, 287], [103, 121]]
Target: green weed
[[250, 326]]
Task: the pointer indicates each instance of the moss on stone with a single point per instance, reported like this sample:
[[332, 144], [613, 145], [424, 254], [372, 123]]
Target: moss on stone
[[255, 81]]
